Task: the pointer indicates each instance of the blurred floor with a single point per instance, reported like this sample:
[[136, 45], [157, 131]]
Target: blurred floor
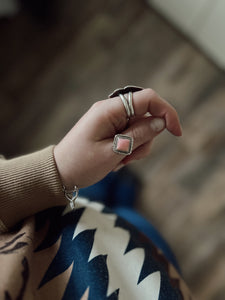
[[49, 76]]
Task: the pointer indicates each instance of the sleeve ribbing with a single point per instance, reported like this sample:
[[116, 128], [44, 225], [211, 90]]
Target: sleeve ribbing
[[28, 184]]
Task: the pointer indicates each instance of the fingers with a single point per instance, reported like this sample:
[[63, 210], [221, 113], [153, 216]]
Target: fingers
[[143, 133], [148, 101], [139, 153], [145, 130]]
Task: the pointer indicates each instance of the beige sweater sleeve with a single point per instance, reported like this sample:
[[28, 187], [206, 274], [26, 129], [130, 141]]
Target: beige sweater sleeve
[[28, 184]]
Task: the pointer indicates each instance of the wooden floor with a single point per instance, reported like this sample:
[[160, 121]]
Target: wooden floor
[[50, 75]]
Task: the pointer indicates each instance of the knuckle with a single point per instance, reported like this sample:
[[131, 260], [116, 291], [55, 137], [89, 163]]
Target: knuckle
[[138, 135], [97, 104], [151, 93]]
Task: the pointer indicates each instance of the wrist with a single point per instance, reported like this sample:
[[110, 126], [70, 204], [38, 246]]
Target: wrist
[[61, 162]]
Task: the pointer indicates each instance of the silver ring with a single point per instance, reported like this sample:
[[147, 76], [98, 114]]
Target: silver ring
[[126, 105], [130, 104], [123, 144]]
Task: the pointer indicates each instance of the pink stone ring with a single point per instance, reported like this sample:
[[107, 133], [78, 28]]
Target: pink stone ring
[[122, 144]]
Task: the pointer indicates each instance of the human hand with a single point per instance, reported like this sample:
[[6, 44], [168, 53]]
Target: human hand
[[85, 155]]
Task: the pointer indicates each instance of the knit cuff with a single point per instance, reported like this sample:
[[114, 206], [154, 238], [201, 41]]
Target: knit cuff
[[29, 184]]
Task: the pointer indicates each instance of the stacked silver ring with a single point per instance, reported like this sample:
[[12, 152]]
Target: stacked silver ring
[[127, 102]]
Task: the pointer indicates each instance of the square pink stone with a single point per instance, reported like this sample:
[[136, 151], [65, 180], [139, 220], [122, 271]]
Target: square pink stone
[[123, 145]]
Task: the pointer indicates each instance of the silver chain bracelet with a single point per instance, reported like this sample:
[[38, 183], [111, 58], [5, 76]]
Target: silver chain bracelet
[[71, 195]]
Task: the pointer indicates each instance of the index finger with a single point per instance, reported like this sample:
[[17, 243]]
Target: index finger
[[148, 101]]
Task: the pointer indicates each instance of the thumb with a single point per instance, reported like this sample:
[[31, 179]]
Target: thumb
[[143, 133], [145, 130]]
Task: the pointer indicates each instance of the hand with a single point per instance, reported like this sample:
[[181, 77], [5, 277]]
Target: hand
[[85, 154]]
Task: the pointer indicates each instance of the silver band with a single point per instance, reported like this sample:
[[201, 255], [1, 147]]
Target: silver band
[[130, 104], [126, 105]]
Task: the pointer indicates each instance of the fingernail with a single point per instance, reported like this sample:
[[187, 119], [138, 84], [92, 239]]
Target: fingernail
[[157, 124]]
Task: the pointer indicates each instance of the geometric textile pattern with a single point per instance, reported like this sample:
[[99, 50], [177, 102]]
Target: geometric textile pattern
[[109, 257]]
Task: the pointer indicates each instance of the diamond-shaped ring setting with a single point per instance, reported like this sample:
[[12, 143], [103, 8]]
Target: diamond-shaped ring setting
[[122, 144]]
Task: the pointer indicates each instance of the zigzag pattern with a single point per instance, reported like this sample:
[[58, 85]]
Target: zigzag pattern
[[93, 261]]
